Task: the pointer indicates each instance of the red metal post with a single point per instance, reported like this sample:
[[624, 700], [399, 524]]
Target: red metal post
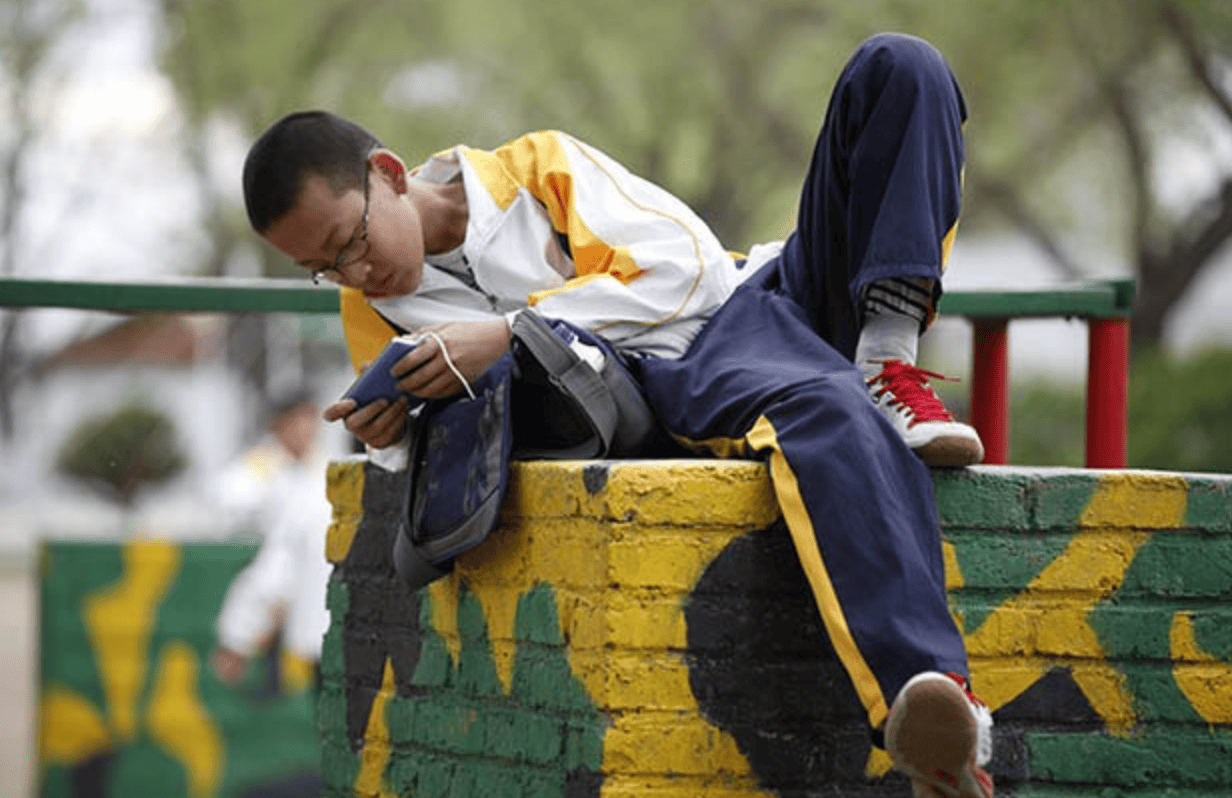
[[1107, 392], [990, 404]]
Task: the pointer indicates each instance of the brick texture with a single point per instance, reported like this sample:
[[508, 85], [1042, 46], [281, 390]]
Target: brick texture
[[643, 629]]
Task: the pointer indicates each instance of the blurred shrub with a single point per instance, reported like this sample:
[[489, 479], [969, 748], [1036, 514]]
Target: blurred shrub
[[120, 453], [1180, 416], [1180, 412], [1047, 424]]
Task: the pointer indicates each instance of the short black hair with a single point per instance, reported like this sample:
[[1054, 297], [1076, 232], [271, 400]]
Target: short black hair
[[290, 401], [298, 145]]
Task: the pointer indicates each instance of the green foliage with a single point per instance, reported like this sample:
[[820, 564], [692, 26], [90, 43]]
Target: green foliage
[[120, 453], [1047, 423], [1180, 416], [1180, 413], [1071, 104]]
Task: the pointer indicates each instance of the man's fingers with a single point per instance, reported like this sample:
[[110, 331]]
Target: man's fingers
[[416, 358], [441, 385], [339, 409], [387, 428], [424, 374], [358, 419]]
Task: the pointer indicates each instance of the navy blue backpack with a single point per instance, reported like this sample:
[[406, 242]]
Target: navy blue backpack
[[559, 393]]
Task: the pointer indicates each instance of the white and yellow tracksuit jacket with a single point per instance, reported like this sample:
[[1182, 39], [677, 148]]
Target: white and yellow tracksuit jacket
[[557, 225]]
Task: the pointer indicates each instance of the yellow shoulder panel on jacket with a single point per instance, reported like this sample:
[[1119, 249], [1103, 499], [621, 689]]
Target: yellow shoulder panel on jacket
[[366, 332], [538, 163]]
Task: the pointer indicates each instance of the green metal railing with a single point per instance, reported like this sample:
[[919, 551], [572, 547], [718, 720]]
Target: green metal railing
[[1105, 305]]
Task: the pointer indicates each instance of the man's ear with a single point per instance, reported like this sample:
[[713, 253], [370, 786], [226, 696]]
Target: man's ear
[[389, 166]]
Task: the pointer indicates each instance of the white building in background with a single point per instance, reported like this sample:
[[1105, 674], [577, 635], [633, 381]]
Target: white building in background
[[1056, 349], [176, 365]]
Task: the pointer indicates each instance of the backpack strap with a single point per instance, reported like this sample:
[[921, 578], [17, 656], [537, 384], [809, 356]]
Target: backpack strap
[[589, 394]]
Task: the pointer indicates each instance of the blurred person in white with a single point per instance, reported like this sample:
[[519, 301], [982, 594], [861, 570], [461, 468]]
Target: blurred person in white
[[277, 487]]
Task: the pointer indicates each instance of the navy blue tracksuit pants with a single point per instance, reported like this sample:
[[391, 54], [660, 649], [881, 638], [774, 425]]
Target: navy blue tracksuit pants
[[770, 375]]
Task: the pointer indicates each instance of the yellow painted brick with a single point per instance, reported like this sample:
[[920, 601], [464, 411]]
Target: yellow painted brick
[[1137, 500], [999, 681], [645, 621], [581, 618], [670, 743], [1004, 632], [544, 489], [344, 486], [672, 492], [570, 554], [647, 682], [671, 559], [687, 492], [1066, 634], [687, 787]]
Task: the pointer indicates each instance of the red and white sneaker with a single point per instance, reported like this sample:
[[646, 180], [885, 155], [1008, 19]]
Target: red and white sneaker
[[902, 393], [939, 734]]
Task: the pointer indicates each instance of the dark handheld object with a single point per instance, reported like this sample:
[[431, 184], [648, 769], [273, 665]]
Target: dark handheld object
[[377, 382]]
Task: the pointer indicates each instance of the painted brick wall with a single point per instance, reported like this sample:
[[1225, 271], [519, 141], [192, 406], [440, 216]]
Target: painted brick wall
[[128, 705], [639, 628]]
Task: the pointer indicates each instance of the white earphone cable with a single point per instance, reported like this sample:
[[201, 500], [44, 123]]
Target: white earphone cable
[[449, 362]]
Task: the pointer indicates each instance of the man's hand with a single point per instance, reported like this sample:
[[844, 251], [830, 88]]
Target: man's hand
[[473, 347], [378, 424], [228, 665]]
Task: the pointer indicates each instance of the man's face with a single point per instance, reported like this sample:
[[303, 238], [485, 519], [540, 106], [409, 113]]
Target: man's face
[[297, 429], [383, 259]]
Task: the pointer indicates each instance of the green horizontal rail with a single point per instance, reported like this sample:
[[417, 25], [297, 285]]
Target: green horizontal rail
[[1097, 300], [1107, 299], [180, 295]]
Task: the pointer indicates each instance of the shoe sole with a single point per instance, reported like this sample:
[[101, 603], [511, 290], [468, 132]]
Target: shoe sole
[[951, 452], [932, 738]]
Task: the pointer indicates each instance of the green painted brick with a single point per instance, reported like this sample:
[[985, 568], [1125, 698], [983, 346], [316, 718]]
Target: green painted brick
[[1210, 504], [1157, 699], [997, 560], [1213, 630], [1131, 630], [421, 774], [400, 717], [1097, 791], [337, 597], [523, 736], [1179, 758], [981, 498], [487, 779], [331, 703], [542, 785], [537, 620], [435, 665], [472, 623], [542, 678], [1180, 565], [584, 745], [449, 723], [1057, 500], [476, 672]]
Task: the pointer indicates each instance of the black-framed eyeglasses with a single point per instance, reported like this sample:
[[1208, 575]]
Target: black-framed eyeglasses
[[351, 252]]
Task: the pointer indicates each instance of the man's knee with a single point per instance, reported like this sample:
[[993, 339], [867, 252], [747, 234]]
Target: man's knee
[[889, 58]]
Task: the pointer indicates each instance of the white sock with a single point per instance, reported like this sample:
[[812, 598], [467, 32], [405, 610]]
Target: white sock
[[886, 336], [895, 310]]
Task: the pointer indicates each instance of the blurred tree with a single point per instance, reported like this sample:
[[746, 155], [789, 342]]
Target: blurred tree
[[1073, 105], [29, 30], [1047, 424], [121, 453], [1178, 412], [1107, 121], [1178, 416]]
